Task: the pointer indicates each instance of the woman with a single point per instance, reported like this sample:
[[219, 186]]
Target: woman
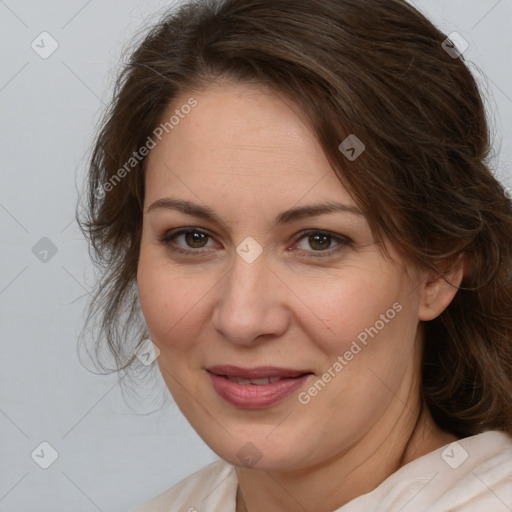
[[296, 196]]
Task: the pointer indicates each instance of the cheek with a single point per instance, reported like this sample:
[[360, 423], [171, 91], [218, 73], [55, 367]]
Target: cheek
[[153, 297], [375, 329], [163, 299], [352, 305], [174, 301]]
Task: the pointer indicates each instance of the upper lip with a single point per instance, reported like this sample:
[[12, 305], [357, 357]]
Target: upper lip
[[259, 372]]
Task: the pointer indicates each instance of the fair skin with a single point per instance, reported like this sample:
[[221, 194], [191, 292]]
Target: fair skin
[[246, 153]]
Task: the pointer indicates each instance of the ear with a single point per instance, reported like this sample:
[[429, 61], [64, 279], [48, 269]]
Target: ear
[[439, 291]]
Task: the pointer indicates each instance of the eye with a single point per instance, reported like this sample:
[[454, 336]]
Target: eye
[[193, 239], [321, 243]]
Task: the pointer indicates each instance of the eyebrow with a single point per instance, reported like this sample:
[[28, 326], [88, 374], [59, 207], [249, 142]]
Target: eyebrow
[[286, 217]]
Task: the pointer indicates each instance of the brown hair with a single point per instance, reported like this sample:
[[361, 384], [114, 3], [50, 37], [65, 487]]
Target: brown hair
[[374, 68]]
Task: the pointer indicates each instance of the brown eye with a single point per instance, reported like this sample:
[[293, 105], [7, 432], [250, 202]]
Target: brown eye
[[186, 241], [318, 244], [195, 239]]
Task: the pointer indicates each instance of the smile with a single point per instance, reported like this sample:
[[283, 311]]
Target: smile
[[255, 382], [256, 388]]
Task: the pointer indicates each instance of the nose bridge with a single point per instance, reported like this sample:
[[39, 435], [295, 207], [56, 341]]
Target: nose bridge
[[249, 305], [246, 285]]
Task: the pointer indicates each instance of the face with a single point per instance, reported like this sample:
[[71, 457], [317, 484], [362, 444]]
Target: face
[[285, 334]]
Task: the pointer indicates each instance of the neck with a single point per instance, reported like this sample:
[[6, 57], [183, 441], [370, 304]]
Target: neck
[[343, 478]]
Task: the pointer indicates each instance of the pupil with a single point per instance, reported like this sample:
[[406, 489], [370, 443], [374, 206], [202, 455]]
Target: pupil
[[194, 237], [316, 237]]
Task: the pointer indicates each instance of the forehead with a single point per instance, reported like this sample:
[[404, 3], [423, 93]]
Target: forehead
[[243, 137]]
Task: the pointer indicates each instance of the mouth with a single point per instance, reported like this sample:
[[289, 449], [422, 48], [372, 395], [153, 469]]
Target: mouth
[[256, 388]]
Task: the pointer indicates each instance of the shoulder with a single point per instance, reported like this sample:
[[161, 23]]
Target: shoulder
[[211, 486], [481, 474], [471, 475]]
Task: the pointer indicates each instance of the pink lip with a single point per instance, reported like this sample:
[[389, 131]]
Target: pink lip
[[252, 396]]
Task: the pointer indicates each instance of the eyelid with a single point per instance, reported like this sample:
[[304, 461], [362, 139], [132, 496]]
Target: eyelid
[[167, 238], [343, 241]]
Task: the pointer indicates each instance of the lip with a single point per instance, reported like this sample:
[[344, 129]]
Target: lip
[[255, 373], [251, 396]]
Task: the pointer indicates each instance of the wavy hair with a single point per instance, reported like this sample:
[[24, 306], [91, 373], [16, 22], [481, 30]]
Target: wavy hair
[[378, 69]]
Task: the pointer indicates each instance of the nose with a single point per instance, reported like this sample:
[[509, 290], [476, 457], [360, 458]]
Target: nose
[[251, 305]]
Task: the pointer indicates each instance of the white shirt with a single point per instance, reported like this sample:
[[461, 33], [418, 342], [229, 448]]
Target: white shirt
[[472, 475]]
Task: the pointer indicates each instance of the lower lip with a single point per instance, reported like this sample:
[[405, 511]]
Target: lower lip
[[252, 396]]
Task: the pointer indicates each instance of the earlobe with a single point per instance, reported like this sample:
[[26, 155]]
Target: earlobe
[[439, 291]]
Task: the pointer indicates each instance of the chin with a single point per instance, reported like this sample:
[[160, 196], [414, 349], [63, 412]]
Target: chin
[[253, 448]]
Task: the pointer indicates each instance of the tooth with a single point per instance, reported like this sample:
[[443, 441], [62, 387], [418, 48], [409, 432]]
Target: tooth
[[243, 381], [273, 379], [260, 382]]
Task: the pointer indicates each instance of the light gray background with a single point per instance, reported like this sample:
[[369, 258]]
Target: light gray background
[[110, 456]]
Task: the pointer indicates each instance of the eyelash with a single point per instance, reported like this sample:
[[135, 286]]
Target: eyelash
[[342, 242]]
